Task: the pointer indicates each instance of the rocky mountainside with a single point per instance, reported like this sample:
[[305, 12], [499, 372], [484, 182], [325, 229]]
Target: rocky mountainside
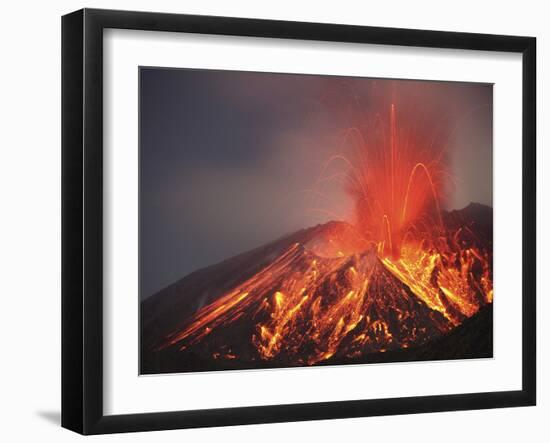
[[316, 297]]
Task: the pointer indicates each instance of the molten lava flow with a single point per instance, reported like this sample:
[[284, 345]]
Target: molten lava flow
[[401, 275], [455, 282], [303, 308]]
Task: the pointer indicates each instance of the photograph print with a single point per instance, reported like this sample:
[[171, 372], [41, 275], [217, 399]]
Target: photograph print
[[291, 220]]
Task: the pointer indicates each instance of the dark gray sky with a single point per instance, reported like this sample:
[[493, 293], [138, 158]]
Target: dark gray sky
[[227, 158]]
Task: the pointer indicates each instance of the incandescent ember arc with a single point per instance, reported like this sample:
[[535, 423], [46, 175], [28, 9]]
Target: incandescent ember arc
[[303, 220]]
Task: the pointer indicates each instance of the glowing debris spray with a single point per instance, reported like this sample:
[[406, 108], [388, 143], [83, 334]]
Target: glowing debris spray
[[395, 277]]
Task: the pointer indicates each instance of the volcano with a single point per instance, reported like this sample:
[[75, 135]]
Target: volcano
[[324, 295]]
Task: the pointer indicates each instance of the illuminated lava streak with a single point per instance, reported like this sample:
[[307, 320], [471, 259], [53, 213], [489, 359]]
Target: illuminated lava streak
[[402, 274]]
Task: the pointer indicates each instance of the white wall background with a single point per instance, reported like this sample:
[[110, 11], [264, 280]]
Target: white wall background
[[30, 218]]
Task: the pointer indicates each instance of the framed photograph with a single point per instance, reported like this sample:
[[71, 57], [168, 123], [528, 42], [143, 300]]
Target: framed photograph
[[270, 221]]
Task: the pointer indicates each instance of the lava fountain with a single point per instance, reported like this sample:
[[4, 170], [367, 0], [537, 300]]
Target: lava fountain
[[397, 179]]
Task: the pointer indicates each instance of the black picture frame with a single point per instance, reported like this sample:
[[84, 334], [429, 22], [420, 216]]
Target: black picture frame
[[82, 220]]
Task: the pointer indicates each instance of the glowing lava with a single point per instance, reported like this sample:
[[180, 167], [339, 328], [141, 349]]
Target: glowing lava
[[403, 273], [303, 308]]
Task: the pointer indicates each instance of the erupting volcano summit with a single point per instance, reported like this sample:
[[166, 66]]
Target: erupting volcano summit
[[401, 281]]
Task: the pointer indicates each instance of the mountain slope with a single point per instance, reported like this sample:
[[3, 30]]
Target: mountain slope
[[290, 304]]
